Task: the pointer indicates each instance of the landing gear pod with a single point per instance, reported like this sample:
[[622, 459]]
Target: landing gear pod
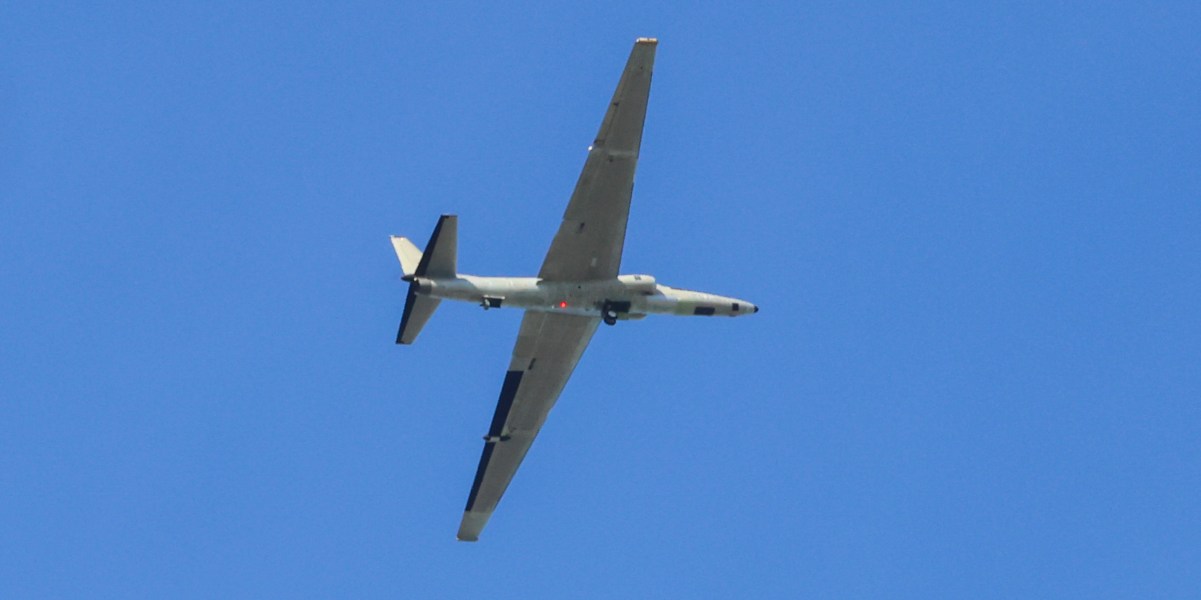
[[611, 311], [609, 316]]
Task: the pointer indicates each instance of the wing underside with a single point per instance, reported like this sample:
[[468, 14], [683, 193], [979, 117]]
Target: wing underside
[[589, 242], [547, 350], [588, 246]]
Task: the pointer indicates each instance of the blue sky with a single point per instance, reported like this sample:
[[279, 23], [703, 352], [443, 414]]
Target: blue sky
[[973, 231]]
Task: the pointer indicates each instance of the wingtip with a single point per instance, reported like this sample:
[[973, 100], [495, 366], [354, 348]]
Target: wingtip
[[471, 526], [647, 41]]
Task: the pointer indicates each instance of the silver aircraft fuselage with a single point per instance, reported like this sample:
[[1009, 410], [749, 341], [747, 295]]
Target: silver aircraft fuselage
[[626, 297]]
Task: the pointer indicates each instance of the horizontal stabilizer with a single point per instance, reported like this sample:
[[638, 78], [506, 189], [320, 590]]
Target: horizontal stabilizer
[[418, 310], [441, 257]]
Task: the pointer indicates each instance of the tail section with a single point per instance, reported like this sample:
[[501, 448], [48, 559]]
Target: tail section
[[418, 310], [440, 260], [408, 254]]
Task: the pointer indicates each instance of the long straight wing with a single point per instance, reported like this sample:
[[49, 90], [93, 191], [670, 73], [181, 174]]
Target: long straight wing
[[547, 350], [589, 242]]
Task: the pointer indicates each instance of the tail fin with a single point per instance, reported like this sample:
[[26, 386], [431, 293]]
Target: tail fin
[[408, 254], [439, 260]]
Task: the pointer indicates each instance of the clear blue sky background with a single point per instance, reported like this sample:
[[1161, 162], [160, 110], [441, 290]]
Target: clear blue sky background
[[974, 230]]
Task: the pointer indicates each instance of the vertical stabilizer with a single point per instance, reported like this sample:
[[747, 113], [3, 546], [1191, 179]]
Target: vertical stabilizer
[[407, 253]]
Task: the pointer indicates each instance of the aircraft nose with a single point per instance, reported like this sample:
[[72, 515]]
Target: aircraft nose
[[743, 308], [756, 308]]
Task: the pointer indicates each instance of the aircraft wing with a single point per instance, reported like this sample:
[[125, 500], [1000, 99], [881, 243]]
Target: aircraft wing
[[589, 242], [547, 350]]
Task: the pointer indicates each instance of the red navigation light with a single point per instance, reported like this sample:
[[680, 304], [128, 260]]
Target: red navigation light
[[563, 304]]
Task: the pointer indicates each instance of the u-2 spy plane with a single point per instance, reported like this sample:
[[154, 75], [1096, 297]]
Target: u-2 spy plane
[[577, 288]]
